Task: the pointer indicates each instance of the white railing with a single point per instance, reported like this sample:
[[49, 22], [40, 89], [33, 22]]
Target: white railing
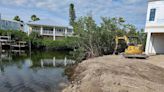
[[5, 38], [47, 32], [59, 33], [34, 30]]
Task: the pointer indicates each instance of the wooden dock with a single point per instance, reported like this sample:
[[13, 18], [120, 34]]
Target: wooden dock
[[12, 44]]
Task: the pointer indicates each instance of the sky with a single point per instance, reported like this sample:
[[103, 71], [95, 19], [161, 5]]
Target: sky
[[133, 11]]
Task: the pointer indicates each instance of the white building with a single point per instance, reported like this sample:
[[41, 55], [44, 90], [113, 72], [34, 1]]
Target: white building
[[50, 29], [155, 27], [11, 25]]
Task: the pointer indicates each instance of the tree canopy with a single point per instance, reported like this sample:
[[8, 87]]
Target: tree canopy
[[34, 18], [17, 18], [72, 14], [93, 40]]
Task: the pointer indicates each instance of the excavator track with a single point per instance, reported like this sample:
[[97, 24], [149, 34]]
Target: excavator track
[[138, 56]]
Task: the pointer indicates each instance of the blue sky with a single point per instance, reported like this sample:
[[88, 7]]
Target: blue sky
[[134, 11]]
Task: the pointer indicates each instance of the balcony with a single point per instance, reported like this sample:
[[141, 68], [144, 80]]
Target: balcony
[[59, 33], [48, 32], [36, 30]]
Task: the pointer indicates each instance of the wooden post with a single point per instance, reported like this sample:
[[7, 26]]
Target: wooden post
[[54, 33], [65, 61], [66, 34], [19, 47], [0, 48], [41, 62], [29, 47], [10, 42], [54, 63]]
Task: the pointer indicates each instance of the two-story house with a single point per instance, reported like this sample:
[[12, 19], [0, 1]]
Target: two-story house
[[155, 27], [50, 29]]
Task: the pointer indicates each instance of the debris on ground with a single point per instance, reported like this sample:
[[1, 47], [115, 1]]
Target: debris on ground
[[117, 74]]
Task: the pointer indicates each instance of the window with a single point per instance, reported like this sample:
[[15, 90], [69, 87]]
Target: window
[[60, 30], [152, 14]]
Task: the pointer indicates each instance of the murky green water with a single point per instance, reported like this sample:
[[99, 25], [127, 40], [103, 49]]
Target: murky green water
[[37, 72]]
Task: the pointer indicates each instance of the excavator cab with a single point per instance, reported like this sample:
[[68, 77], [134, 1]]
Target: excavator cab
[[134, 47]]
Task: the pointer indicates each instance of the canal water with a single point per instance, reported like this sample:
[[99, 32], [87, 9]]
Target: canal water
[[34, 72]]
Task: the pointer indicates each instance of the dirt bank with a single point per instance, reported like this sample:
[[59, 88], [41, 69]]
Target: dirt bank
[[117, 74]]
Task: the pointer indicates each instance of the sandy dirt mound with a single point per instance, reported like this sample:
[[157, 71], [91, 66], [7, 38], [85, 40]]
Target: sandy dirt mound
[[117, 74]]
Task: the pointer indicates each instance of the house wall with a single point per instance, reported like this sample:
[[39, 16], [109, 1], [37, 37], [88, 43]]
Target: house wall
[[159, 16], [155, 44], [155, 29]]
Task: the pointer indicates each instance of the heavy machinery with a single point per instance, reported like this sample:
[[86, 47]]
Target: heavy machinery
[[134, 48]]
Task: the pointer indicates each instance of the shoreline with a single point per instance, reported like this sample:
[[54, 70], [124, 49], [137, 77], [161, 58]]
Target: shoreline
[[117, 74]]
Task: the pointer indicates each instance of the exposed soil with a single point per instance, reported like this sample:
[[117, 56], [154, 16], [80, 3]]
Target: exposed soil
[[117, 74]]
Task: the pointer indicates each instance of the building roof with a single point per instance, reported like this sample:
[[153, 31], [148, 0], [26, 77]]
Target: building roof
[[48, 23], [154, 0], [11, 21]]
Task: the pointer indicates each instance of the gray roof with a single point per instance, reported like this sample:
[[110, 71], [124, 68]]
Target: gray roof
[[154, 0], [11, 21], [48, 23]]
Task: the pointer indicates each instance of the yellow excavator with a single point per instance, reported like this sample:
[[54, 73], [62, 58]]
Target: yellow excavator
[[133, 50]]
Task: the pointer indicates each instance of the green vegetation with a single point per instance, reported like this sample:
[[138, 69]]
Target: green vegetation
[[72, 14], [63, 44], [17, 18], [34, 18], [39, 42], [89, 40], [15, 34], [93, 40]]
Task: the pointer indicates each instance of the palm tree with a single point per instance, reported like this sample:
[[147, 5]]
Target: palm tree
[[17, 18], [34, 18], [72, 14]]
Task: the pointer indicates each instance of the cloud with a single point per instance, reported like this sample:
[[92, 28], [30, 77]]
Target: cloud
[[134, 11]]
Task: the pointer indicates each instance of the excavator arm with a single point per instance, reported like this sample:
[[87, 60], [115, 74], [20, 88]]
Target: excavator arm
[[117, 41]]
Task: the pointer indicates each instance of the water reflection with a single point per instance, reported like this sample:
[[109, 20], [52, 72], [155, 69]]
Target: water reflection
[[38, 72]]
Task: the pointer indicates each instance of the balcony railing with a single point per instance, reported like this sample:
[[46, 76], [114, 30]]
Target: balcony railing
[[47, 32], [60, 33], [34, 30]]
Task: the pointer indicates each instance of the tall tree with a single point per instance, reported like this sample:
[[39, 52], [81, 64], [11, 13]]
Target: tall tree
[[34, 18], [72, 14], [17, 18]]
